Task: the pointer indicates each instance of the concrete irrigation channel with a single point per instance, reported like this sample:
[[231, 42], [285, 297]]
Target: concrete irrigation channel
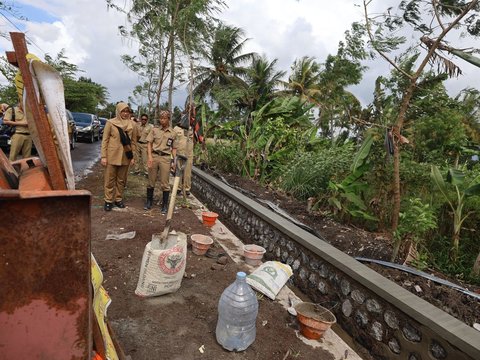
[[387, 320]]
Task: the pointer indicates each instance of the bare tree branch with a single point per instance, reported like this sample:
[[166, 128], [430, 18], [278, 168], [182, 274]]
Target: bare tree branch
[[437, 15], [372, 40]]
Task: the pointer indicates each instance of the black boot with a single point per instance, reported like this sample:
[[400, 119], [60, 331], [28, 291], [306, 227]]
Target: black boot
[[166, 195], [148, 203]]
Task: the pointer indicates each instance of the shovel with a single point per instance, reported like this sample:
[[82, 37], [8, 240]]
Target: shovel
[[181, 162]]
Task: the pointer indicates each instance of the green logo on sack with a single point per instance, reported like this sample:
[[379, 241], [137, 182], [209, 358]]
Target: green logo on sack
[[270, 271]]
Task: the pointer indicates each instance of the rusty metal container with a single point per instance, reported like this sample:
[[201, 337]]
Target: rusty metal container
[[45, 297]]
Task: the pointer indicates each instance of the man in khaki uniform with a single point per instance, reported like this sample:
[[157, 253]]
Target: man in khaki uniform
[[21, 139], [184, 145], [143, 129], [117, 155], [160, 151]]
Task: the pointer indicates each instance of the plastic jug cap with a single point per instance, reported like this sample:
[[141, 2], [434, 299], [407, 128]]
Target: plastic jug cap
[[241, 275]]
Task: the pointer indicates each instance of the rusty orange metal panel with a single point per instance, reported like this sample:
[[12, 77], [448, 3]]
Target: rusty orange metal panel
[[34, 179], [45, 296], [8, 175], [24, 164]]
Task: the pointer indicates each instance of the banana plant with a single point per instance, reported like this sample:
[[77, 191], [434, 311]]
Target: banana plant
[[456, 199], [273, 135], [346, 195]]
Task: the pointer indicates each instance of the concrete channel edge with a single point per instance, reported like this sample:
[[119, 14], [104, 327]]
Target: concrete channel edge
[[455, 332]]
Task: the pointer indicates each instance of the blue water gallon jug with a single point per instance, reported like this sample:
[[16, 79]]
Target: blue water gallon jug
[[237, 315]]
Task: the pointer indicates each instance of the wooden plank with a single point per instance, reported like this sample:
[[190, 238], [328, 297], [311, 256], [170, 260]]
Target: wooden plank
[[12, 58], [39, 116]]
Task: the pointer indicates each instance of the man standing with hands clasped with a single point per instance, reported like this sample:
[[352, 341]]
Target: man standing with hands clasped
[[143, 129], [21, 139], [161, 151]]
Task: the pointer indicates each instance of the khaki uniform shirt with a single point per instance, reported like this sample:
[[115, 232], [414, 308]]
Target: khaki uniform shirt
[[19, 116], [183, 140], [112, 147], [143, 131], [162, 140]]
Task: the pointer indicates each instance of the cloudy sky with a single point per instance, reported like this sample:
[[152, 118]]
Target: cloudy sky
[[281, 29]]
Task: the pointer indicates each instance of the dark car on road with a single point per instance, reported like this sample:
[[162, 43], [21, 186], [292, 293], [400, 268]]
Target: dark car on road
[[88, 126], [103, 121]]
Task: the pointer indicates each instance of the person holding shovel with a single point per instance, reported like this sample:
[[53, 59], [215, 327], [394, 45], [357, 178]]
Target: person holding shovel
[[160, 154], [184, 132], [118, 146]]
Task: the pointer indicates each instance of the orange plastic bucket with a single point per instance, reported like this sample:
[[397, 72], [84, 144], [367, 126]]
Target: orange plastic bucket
[[209, 218]]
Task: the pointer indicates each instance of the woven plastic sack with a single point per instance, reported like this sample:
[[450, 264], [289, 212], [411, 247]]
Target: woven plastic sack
[[269, 278], [162, 269]]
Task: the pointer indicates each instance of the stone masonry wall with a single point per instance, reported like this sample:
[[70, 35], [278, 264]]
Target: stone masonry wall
[[368, 306]]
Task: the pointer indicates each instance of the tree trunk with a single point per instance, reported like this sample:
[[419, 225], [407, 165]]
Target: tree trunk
[[396, 154], [457, 228], [454, 249], [172, 74], [171, 45]]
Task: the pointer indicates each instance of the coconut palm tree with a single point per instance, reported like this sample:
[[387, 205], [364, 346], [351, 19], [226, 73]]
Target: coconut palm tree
[[225, 61], [304, 79], [262, 81], [469, 100]]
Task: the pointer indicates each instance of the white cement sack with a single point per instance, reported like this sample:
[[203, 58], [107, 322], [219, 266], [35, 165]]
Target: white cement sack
[[162, 269], [269, 278]]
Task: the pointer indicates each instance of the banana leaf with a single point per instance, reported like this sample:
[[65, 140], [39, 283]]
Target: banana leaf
[[354, 199], [473, 190], [438, 180], [356, 174], [455, 177], [362, 153]]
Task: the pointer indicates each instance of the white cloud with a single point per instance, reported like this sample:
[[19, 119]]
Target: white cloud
[[282, 29], [89, 34]]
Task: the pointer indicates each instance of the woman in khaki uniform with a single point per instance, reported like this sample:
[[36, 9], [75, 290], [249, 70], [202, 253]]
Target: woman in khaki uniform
[[116, 157], [160, 150]]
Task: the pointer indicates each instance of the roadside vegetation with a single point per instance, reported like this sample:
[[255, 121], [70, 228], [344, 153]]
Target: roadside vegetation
[[407, 164]]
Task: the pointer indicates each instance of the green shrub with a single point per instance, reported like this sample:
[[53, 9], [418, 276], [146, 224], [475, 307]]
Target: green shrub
[[416, 220], [308, 174], [440, 247], [225, 156]]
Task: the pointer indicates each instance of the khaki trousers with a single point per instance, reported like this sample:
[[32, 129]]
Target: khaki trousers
[[21, 143], [160, 168], [115, 178], [187, 174], [141, 158]]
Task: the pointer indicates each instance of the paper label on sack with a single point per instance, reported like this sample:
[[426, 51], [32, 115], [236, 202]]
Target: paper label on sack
[[101, 301]]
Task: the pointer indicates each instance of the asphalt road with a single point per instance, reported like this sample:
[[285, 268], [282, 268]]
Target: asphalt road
[[84, 157]]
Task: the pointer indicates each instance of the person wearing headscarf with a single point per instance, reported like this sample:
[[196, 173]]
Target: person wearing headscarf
[[118, 146]]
